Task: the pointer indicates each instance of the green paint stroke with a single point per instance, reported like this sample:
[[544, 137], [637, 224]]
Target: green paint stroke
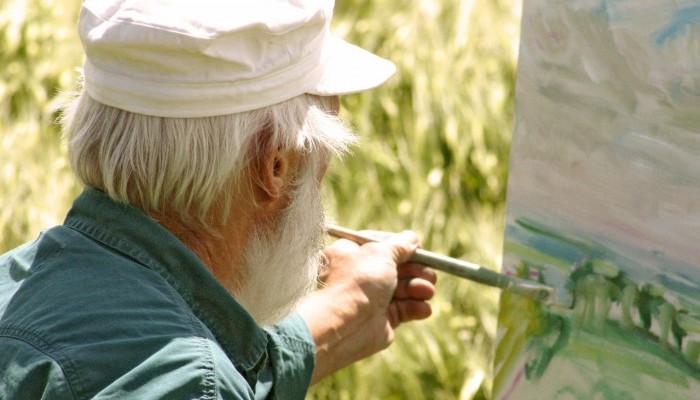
[[630, 353], [535, 256], [553, 338], [622, 345], [535, 227]]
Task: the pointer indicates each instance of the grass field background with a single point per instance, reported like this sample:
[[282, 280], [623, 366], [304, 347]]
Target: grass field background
[[434, 158]]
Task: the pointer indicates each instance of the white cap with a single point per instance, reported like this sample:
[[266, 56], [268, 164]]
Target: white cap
[[184, 58]]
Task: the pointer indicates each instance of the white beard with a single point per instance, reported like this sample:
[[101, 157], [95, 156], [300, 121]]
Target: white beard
[[281, 265]]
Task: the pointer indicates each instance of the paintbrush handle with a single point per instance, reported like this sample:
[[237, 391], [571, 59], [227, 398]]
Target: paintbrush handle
[[453, 266], [461, 268]]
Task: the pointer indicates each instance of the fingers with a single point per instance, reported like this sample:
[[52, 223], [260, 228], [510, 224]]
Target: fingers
[[381, 270], [341, 245], [414, 289], [401, 245], [401, 311], [415, 282], [398, 247], [417, 271], [404, 245], [412, 281]]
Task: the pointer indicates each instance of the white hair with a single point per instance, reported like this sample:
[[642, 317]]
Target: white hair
[[281, 262], [184, 166]]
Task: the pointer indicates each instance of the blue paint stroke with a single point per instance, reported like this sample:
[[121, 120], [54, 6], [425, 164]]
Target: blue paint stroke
[[603, 10], [681, 20]]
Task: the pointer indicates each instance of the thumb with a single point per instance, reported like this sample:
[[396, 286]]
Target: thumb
[[403, 246]]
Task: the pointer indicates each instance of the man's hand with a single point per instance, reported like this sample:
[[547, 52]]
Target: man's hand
[[368, 291]]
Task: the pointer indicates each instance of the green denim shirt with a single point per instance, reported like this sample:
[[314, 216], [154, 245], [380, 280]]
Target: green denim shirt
[[111, 305]]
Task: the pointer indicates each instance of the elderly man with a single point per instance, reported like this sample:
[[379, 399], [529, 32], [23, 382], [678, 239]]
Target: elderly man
[[187, 268]]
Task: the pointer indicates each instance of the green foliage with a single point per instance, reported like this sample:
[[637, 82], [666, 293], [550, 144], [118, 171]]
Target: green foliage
[[38, 53], [433, 159]]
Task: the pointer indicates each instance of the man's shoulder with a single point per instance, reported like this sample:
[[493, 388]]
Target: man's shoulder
[[99, 315], [72, 286], [186, 367], [65, 274]]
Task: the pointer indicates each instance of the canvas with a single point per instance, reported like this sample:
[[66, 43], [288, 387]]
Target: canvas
[[604, 202]]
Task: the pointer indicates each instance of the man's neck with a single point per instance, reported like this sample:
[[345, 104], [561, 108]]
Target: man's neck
[[220, 248]]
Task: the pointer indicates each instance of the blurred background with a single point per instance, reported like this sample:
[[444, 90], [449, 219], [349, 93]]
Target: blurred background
[[433, 158]]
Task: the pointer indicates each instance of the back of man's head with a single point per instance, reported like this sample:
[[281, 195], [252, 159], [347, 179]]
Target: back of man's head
[[178, 98]]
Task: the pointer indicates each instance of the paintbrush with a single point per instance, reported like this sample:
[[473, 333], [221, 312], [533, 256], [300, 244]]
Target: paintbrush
[[463, 269]]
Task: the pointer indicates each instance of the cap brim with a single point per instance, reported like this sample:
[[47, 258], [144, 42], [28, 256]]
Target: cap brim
[[350, 69]]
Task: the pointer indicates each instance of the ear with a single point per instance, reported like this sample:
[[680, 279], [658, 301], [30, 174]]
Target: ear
[[276, 173]]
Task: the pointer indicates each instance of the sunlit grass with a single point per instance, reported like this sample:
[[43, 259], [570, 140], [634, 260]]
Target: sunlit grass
[[433, 159], [38, 54]]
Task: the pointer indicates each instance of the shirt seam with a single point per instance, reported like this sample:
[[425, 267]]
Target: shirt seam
[[293, 342], [209, 390], [200, 319], [140, 257], [116, 244], [195, 323], [111, 241], [46, 347]]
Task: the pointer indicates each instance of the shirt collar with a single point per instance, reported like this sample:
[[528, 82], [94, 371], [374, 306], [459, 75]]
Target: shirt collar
[[129, 231]]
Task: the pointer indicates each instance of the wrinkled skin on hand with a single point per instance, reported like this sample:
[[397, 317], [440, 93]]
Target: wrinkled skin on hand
[[367, 292]]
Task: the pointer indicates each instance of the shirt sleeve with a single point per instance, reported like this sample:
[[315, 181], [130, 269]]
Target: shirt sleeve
[[292, 354], [28, 373]]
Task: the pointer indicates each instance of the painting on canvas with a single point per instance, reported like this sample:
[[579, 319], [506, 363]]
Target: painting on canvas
[[604, 202]]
